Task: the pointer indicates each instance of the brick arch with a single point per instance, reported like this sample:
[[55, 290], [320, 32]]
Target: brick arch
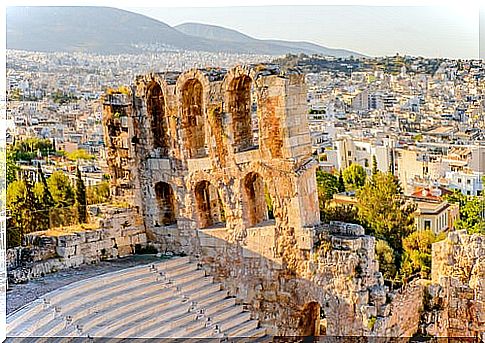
[[192, 90], [241, 102]]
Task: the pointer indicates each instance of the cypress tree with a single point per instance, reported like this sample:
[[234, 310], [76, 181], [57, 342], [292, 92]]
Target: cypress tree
[[341, 183], [45, 199], [81, 198], [374, 165]]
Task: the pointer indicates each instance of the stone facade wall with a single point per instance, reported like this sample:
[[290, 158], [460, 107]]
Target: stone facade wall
[[119, 233], [219, 164]]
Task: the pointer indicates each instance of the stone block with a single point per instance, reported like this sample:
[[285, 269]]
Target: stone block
[[66, 251], [92, 236]]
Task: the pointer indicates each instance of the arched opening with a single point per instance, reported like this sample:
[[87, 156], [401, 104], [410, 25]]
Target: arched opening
[[193, 119], [309, 324], [254, 199], [158, 120], [208, 204], [243, 108], [166, 204]]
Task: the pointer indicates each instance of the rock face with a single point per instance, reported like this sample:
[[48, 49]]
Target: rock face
[[219, 164], [117, 236], [456, 299]]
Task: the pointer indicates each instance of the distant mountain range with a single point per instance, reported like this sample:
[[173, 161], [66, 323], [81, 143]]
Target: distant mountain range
[[106, 30]]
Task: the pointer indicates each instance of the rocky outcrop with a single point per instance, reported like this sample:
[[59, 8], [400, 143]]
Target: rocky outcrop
[[455, 301]]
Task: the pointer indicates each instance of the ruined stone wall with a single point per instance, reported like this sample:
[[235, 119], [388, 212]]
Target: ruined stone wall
[[244, 203], [117, 236], [455, 305]]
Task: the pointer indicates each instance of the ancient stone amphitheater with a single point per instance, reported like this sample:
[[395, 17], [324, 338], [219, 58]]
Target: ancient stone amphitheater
[[217, 165], [172, 298]]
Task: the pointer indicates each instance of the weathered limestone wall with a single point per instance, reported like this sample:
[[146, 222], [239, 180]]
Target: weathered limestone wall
[[119, 233], [341, 275], [221, 169], [456, 299]]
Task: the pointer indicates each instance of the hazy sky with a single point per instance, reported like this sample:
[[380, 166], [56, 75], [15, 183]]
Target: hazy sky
[[430, 31]]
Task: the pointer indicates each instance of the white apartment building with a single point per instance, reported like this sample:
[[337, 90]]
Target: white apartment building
[[467, 182]]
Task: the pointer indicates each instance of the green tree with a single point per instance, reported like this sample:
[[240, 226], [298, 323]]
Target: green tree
[[327, 186], [79, 154], [384, 210], [374, 165], [341, 183], [23, 208], [418, 137], [354, 176], [11, 167], [29, 148], [100, 193], [471, 212], [81, 198], [18, 210], [417, 253], [386, 257], [44, 200], [340, 213], [61, 189]]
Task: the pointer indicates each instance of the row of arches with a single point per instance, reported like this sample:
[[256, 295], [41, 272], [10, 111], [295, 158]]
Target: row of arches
[[209, 207], [241, 104]]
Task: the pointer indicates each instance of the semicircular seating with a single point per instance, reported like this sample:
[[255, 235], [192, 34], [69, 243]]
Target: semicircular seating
[[167, 299]]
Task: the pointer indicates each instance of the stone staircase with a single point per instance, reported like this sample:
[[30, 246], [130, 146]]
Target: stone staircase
[[168, 299]]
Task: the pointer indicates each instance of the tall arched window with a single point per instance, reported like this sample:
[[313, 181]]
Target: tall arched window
[[193, 119], [158, 120], [209, 206], [243, 110], [255, 207], [166, 203]]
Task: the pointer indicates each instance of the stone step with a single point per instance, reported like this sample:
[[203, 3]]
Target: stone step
[[185, 330], [50, 328], [205, 332], [190, 285], [162, 327], [209, 298], [204, 290], [218, 305], [102, 293], [103, 303], [178, 269], [229, 323], [157, 298], [69, 331], [74, 299], [157, 327], [242, 329], [23, 314], [255, 333], [131, 325], [33, 323], [194, 276], [96, 282], [142, 303], [227, 313], [173, 263]]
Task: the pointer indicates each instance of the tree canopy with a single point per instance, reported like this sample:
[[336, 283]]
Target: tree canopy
[[471, 212], [354, 176]]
